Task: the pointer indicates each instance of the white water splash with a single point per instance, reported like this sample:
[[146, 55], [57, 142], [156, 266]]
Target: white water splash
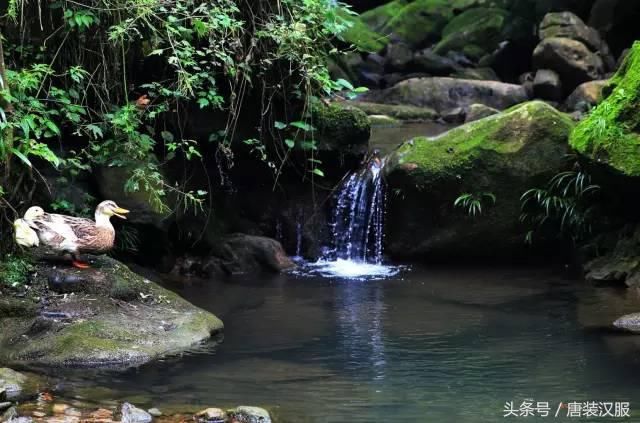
[[349, 269]]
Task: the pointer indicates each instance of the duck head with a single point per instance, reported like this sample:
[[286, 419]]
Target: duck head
[[33, 212], [109, 208]]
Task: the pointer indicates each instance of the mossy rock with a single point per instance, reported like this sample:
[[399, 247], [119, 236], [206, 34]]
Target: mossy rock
[[341, 128], [610, 135], [420, 22], [123, 319], [504, 155], [397, 111], [476, 32], [378, 17], [362, 36]]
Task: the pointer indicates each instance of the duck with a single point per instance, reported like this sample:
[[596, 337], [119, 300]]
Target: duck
[[24, 234], [75, 235]]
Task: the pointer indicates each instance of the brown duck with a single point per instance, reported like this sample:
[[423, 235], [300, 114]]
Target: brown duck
[[75, 235]]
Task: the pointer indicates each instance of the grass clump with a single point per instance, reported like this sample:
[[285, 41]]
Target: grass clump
[[15, 271]]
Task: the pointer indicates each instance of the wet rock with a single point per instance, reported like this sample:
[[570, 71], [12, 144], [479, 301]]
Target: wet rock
[[126, 320], [479, 111], [400, 112], [374, 63], [585, 96], [399, 55], [12, 383], [455, 115], [4, 406], [629, 322], [246, 414], [59, 408], [547, 85], [481, 74], [133, 414], [383, 120], [427, 61], [571, 59], [38, 414], [442, 94], [526, 144], [241, 253], [154, 412], [10, 415], [211, 415]]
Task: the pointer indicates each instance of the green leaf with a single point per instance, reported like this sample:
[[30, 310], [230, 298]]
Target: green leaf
[[344, 83], [280, 125], [167, 136], [21, 157], [360, 90], [290, 143], [318, 172], [302, 125]]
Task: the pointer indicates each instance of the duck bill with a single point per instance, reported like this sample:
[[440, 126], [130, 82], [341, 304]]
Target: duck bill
[[119, 212]]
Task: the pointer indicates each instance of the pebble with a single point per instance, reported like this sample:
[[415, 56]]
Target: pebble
[[212, 415], [102, 414], [4, 405], [59, 408], [154, 412], [72, 412], [39, 414], [246, 414], [133, 414]]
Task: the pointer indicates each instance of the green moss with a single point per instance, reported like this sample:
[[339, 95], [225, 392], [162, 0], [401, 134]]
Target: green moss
[[340, 125], [481, 28], [420, 21], [400, 112], [378, 17], [505, 134], [362, 36], [15, 270], [611, 133]]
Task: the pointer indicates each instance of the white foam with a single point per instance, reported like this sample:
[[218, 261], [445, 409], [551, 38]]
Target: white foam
[[348, 269]]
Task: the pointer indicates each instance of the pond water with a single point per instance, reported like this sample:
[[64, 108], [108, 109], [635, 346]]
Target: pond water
[[426, 344], [387, 137]]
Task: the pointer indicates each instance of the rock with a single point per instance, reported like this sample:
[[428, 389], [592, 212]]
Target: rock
[[341, 129], [547, 85], [568, 25], [212, 415], [124, 320], [427, 61], [133, 414], [475, 32], [455, 115], [399, 55], [482, 74], [585, 96], [4, 406], [246, 414], [629, 322], [609, 136], [504, 155], [360, 35], [418, 23], [571, 59], [100, 414], [14, 385], [241, 253], [155, 412], [11, 415], [443, 94], [371, 79], [374, 63], [391, 79], [479, 111], [38, 414], [400, 112], [617, 260], [383, 120]]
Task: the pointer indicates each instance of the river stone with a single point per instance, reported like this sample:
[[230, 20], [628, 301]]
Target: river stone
[[133, 414], [442, 94], [479, 111], [427, 61], [629, 322], [571, 59], [247, 414], [399, 112], [547, 85], [503, 154], [585, 96], [126, 320], [12, 383], [341, 129], [212, 415], [399, 55]]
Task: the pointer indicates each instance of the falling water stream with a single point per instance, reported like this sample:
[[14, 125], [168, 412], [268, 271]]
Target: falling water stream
[[357, 227]]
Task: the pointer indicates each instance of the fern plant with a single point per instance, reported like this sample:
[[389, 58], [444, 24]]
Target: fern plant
[[472, 203], [566, 203]]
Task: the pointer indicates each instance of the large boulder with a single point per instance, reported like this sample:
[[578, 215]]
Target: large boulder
[[610, 135], [396, 111], [571, 59], [585, 96], [443, 94], [341, 128], [114, 318], [475, 32], [547, 85], [502, 156]]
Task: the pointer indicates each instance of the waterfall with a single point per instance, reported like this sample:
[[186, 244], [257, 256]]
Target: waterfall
[[357, 225]]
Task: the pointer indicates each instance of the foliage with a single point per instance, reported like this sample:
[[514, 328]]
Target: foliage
[[14, 271], [472, 203], [566, 203], [116, 82]]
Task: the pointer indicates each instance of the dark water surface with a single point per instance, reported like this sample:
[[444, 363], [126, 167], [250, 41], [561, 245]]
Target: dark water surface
[[429, 345]]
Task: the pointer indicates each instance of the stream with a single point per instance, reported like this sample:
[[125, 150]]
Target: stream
[[429, 344]]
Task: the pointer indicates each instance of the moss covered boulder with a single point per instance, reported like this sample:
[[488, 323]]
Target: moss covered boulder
[[110, 316], [341, 128], [610, 135], [474, 32], [495, 159]]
